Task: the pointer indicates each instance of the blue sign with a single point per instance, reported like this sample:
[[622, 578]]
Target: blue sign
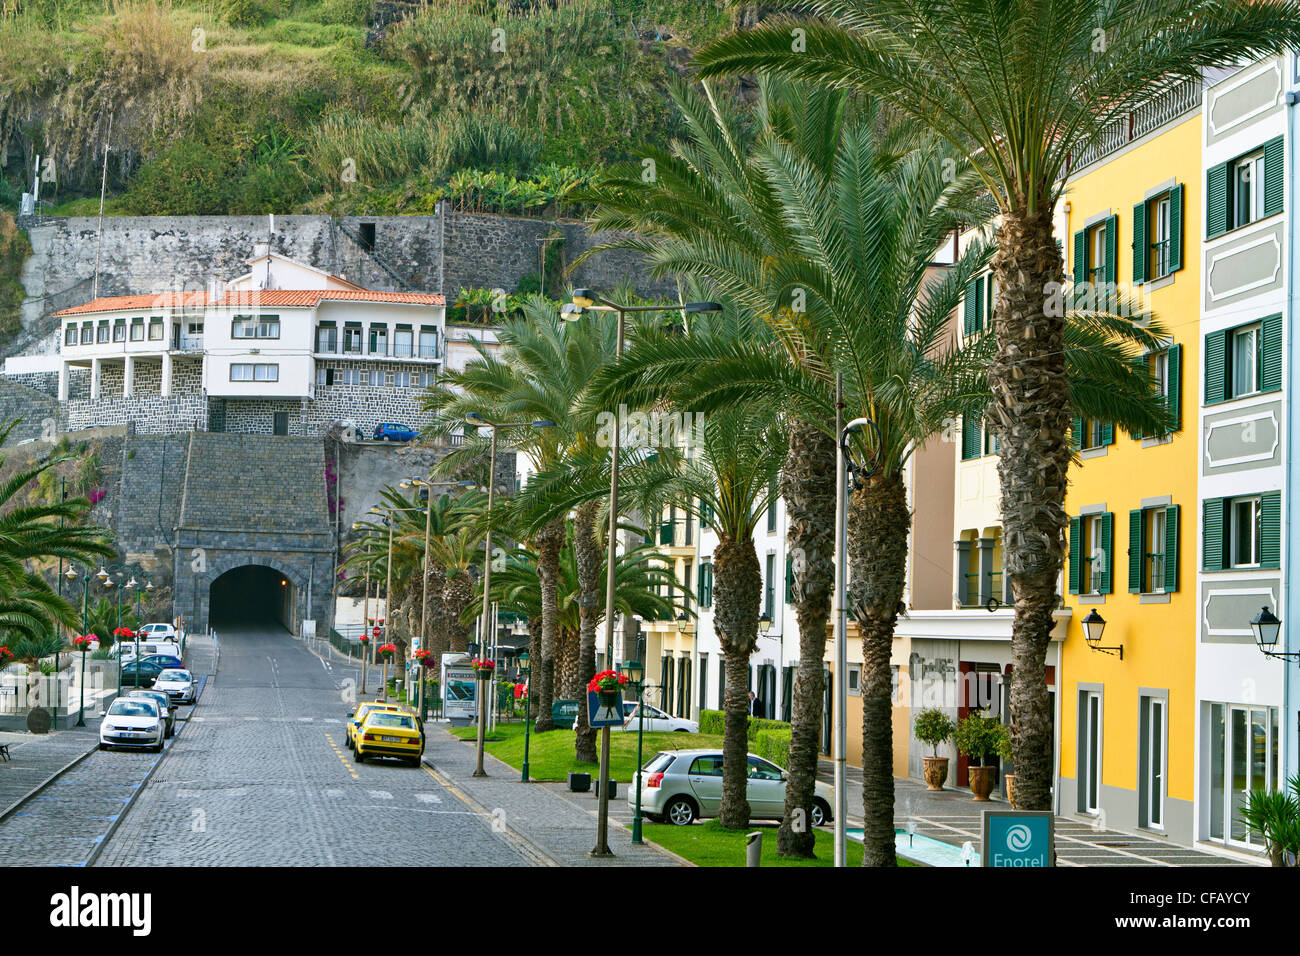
[[598, 716], [1018, 838]]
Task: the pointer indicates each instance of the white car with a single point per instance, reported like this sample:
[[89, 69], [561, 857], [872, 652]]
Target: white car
[[178, 685], [159, 632], [132, 722], [657, 720], [126, 648]]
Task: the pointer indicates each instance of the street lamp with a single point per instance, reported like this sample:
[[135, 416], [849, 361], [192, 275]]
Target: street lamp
[[71, 575], [1094, 625], [487, 630], [525, 667], [1266, 627], [635, 671], [107, 575], [593, 300]]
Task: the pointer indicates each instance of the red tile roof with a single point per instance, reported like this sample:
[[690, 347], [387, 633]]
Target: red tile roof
[[286, 298]]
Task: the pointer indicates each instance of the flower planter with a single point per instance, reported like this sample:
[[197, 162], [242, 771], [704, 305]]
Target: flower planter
[[1011, 789], [936, 772], [483, 673], [609, 698], [981, 782]]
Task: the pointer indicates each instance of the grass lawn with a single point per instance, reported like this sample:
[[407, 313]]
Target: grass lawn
[[550, 755], [708, 844]]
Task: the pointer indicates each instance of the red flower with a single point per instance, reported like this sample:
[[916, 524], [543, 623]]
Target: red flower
[[484, 664], [5, 653], [607, 680], [387, 649], [365, 638], [84, 641], [123, 632]]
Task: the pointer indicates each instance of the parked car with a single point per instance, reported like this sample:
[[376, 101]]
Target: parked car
[[357, 716], [159, 632], [628, 707], [657, 720], [126, 649], [564, 713], [165, 708], [132, 722], [681, 786], [179, 685], [391, 431], [390, 733], [145, 671]]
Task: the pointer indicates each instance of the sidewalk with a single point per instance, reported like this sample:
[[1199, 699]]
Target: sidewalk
[[560, 830], [954, 817]]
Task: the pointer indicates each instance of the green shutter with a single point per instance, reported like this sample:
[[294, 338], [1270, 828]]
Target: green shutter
[[971, 318], [1270, 529], [1081, 256], [972, 436], [1111, 271], [1076, 432], [789, 581], [1107, 551], [1216, 360], [699, 585], [1273, 176], [1171, 547], [1175, 373], [1176, 228], [1271, 353], [1074, 556], [1216, 201], [1212, 512], [1136, 531], [1108, 433], [1141, 243], [706, 514]]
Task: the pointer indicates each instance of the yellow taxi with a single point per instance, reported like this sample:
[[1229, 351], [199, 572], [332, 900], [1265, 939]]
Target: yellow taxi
[[357, 716], [387, 733]]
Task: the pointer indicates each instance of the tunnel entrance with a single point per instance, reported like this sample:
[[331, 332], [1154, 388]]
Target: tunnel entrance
[[253, 594]]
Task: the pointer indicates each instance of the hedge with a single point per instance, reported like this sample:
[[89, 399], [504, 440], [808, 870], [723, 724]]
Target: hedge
[[712, 722], [773, 745]]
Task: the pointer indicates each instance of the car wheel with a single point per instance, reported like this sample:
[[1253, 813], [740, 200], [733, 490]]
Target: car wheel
[[348, 742], [681, 730], [158, 747], [414, 761], [821, 812], [103, 746], [361, 758], [680, 812]]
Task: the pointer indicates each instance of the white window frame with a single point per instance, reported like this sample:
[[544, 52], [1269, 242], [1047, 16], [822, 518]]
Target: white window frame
[[1235, 531], [1156, 521], [1253, 333], [1160, 235], [1091, 527], [1093, 774], [1155, 744], [1253, 167]]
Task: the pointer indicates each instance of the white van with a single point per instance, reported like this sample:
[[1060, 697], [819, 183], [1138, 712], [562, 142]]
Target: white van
[[158, 632], [148, 646]]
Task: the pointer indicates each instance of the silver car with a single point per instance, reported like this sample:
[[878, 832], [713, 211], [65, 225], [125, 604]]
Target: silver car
[[681, 786]]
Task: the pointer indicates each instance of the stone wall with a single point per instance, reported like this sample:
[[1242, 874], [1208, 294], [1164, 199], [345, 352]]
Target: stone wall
[[39, 413], [146, 254], [150, 489], [149, 414]]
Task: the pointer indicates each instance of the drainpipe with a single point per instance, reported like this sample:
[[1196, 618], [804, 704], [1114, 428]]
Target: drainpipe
[[1290, 682]]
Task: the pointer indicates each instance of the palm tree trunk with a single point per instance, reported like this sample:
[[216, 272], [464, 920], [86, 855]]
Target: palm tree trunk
[[457, 595], [548, 542], [588, 553], [878, 525], [534, 655], [567, 665], [437, 622], [808, 487], [737, 596], [1030, 414]]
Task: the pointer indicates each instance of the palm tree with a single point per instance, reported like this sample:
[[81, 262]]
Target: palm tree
[[542, 369], [862, 231], [1018, 87]]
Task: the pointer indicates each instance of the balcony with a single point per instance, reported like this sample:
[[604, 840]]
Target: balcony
[[397, 352], [981, 588]]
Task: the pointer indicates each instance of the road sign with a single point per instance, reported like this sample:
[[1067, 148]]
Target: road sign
[[598, 716], [1019, 838]]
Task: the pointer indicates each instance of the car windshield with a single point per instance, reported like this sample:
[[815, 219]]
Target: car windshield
[[133, 708], [383, 719], [174, 675]]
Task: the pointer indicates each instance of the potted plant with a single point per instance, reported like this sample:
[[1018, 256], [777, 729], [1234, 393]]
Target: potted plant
[[1275, 815], [932, 726], [1004, 754], [425, 658], [484, 667], [608, 687], [980, 738]]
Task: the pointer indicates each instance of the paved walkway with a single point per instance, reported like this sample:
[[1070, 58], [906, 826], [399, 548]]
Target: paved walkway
[[954, 817], [561, 831]]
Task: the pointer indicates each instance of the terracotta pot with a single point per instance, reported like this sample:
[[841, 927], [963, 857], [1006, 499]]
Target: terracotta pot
[[1011, 789], [936, 772], [981, 782]]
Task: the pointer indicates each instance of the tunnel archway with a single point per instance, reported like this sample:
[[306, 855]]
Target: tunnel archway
[[253, 594]]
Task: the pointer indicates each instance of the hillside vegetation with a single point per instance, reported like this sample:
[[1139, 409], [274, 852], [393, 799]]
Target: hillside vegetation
[[338, 106]]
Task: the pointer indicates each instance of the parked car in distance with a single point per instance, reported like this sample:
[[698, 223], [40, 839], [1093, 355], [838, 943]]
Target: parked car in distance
[[357, 716], [390, 733], [159, 632], [628, 707], [145, 671], [681, 786], [179, 685], [391, 431], [165, 709], [126, 649], [657, 720], [132, 722]]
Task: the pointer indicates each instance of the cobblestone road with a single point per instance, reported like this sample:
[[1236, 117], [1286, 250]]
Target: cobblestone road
[[262, 777]]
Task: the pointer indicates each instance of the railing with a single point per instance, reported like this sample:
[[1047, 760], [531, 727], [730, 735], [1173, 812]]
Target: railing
[[395, 351], [1151, 115], [980, 587]]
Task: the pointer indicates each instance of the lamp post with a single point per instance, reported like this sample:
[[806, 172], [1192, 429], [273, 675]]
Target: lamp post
[[106, 575], [635, 671], [424, 578], [1094, 625], [584, 299], [525, 668], [71, 575], [1266, 627]]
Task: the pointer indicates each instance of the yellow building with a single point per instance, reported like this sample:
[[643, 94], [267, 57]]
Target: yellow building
[[1127, 707]]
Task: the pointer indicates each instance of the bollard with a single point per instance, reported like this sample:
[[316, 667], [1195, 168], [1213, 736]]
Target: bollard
[[754, 849]]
